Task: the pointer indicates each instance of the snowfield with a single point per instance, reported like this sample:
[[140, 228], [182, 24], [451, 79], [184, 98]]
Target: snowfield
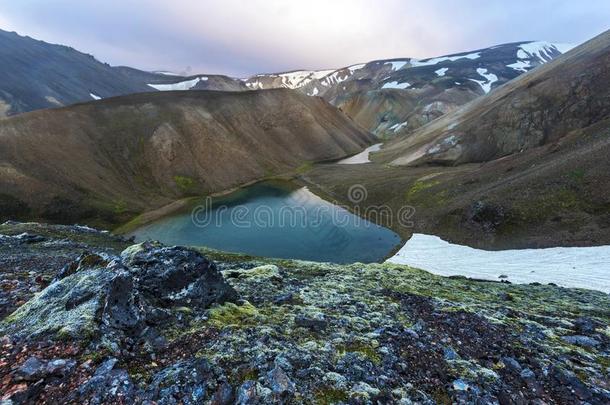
[[396, 65], [486, 84], [434, 61], [520, 65], [180, 86], [94, 96], [362, 157], [396, 85], [580, 267], [441, 72]]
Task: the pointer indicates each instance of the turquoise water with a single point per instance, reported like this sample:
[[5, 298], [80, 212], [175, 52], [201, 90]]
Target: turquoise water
[[275, 220]]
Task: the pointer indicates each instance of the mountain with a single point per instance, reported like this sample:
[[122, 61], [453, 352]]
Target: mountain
[[115, 157], [170, 82], [541, 108], [386, 97], [399, 95], [288, 80], [525, 166], [36, 75]]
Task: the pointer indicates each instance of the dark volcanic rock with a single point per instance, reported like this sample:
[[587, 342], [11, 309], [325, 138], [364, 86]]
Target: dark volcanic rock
[[108, 385], [177, 276], [120, 298], [181, 383]]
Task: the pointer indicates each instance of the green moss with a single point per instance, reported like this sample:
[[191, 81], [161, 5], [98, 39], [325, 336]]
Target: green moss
[[120, 207], [366, 349], [577, 175], [246, 374], [544, 206], [329, 396], [186, 185], [230, 314], [304, 168], [420, 193]]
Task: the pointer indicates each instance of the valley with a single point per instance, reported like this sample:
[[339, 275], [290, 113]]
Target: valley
[[399, 231]]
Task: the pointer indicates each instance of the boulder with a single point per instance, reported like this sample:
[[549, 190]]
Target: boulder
[[180, 383], [121, 296]]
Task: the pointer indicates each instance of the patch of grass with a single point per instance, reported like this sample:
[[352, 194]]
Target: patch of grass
[[329, 396], [304, 168], [230, 314], [577, 175], [418, 193], [544, 206], [366, 349], [186, 185]]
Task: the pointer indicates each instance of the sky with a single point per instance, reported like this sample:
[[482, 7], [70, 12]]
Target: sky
[[243, 37]]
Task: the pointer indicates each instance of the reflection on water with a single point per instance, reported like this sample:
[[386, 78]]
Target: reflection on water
[[276, 220]]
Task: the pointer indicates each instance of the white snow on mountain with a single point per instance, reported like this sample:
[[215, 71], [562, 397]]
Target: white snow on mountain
[[254, 85], [313, 92], [434, 61], [353, 68], [94, 96], [542, 50], [441, 72], [336, 77], [396, 65], [396, 85], [520, 65], [180, 86], [490, 79], [362, 157], [399, 126], [295, 80]]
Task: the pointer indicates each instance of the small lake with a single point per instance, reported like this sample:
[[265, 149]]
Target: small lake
[[275, 219]]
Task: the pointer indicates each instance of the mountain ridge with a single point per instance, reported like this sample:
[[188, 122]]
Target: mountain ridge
[[113, 158]]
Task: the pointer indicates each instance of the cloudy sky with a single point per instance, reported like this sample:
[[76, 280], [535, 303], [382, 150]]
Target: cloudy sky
[[240, 37]]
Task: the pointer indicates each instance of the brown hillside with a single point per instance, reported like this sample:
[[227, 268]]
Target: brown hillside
[[568, 94], [116, 157]]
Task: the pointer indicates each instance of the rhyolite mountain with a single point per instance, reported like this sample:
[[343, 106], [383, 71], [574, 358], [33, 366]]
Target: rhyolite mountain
[[567, 98], [385, 97], [36, 75], [524, 166], [389, 97], [112, 158]]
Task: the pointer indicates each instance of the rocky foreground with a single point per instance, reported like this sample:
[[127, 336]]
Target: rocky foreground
[[87, 318]]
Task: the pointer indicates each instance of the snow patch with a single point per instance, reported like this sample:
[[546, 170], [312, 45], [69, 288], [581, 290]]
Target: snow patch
[[336, 77], [399, 126], [362, 157], [353, 68], [396, 85], [314, 92], [490, 79], [521, 65], [434, 61], [180, 86], [541, 50], [579, 267], [95, 97], [441, 72], [396, 65]]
